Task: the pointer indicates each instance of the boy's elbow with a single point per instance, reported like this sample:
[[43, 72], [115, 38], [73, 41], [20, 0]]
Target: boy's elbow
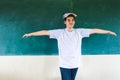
[[93, 31], [46, 32]]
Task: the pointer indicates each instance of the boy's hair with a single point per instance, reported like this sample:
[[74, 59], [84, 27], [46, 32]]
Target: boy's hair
[[71, 15]]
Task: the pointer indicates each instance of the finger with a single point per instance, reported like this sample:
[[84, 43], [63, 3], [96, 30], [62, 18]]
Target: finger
[[114, 34], [24, 36]]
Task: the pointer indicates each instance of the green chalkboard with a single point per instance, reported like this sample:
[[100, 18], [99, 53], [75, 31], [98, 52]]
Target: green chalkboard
[[18, 17]]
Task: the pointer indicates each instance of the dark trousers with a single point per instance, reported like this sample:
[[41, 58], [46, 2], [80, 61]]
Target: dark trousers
[[68, 74]]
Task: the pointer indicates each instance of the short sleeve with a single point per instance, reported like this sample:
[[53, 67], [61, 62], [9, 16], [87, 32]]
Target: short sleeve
[[84, 32], [54, 34]]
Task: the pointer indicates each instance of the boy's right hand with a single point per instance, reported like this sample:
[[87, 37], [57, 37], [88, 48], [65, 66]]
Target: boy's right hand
[[26, 35]]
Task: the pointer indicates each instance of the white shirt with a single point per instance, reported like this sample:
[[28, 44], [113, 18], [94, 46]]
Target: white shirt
[[69, 45]]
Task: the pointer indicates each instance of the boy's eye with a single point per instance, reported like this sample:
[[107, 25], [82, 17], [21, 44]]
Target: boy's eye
[[68, 20]]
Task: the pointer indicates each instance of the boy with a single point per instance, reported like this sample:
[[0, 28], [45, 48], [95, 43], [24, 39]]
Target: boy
[[69, 44]]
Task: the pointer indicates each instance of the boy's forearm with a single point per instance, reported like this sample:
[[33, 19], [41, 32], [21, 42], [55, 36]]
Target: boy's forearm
[[38, 33], [100, 31]]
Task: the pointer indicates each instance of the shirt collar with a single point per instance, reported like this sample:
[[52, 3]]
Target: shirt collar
[[68, 31]]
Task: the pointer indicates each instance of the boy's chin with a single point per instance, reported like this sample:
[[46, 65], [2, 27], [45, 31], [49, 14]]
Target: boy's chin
[[71, 26]]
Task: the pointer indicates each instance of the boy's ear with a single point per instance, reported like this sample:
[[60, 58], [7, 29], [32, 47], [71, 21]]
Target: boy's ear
[[64, 22]]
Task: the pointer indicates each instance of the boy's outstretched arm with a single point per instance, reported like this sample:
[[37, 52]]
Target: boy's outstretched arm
[[38, 33], [101, 31]]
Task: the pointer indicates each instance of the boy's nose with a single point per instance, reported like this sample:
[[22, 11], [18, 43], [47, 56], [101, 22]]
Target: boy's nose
[[71, 23]]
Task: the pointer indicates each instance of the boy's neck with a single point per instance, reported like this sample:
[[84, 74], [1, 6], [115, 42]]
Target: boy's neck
[[70, 29]]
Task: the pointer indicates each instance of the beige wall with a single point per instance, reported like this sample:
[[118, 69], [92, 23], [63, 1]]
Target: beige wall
[[95, 67]]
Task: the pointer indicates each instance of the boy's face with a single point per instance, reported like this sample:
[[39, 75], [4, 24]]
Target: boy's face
[[70, 21]]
